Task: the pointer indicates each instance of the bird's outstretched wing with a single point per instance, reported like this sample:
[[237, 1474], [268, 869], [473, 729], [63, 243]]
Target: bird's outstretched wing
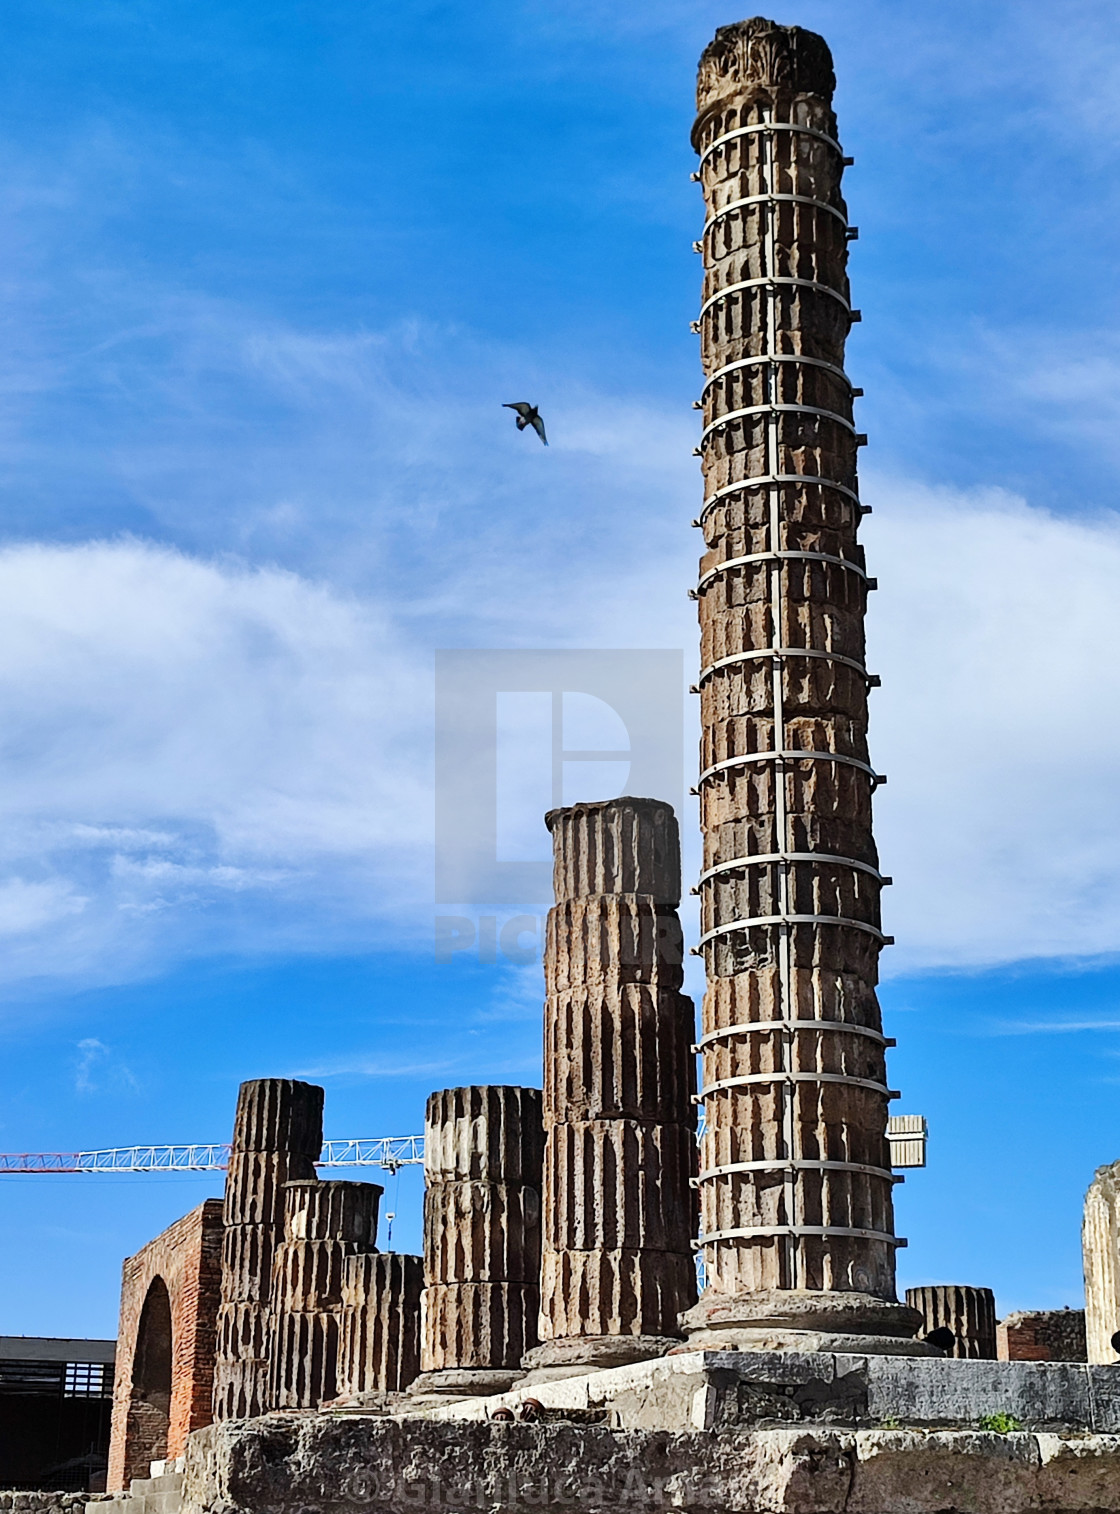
[[538, 426], [523, 408]]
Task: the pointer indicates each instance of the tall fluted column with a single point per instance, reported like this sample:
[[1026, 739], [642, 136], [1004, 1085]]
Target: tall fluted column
[[325, 1224], [796, 1209], [482, 1167], [277, 1136], [620, 1147]]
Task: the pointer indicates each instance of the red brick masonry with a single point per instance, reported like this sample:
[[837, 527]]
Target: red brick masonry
[[163, 1388], [1043, 1335]]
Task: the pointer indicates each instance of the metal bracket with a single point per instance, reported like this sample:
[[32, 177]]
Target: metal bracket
[[778, 357], [737, 864], [750, 1079], [748, 1027], [768, 126], [775, 409], [770, 199], [748, 1232], [762, 480], [758, 557], [779, 652], [770, 281], [791, 754], [759, 920], [794, 1165]]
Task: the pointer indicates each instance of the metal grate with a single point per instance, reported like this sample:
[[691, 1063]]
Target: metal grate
[[88, 1380]]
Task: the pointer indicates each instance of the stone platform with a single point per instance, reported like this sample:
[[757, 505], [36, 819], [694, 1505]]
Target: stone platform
[[703, 1432], [713, 1390]]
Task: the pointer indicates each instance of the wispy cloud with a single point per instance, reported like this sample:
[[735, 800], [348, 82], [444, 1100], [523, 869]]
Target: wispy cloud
[[98, 1070]]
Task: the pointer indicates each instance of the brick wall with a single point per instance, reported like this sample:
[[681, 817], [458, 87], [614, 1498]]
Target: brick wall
[[1043, 1335], [156, 1402]]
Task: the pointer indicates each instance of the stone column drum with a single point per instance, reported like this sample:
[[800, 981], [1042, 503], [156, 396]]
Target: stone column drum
[[618, 1264], [967, 1314], [379, 1349], [1100, 1245], [277, 1136], [482, 1165], [797, 1223], [324, 1225]]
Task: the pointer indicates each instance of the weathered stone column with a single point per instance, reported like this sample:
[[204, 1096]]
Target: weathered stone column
[[482, 1165], [617, 1265], [796, 1212], [324, 1224], [379, 1351], [968, 1315], [1100, 1247], [277, 1136]]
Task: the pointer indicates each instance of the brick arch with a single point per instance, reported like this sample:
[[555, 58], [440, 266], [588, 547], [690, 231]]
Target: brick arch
[[149, 1409], [165, 1348]]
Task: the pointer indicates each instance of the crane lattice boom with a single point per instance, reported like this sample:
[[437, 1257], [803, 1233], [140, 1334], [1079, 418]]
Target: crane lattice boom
[[391, 1152]]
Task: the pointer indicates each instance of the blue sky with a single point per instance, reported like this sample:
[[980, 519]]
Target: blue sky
[[266, 275]]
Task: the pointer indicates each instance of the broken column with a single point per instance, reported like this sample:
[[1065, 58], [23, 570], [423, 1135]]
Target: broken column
[[618, 1265], [797, 1224], [482, 1167], [957, 1320], [324, 1225], [277, 1136], [1100, 1248], [379, 1348]]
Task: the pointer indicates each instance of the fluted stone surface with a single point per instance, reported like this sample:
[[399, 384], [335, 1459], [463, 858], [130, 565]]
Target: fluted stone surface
[[620, 1152], [324, 1225], [969, 1313], [795, 1180], [477, 1325], [279, 1114], [483, 1148], [277, 1135], [1100, 1241], [379, 1347], [631, 847]]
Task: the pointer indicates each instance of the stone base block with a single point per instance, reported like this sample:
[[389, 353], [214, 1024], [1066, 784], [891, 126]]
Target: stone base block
[[732, 1391], [720, 1320], [576, 1355], [459, 1382], [319, 1464]]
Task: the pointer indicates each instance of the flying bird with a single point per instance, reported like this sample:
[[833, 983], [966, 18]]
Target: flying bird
[[528, 415]]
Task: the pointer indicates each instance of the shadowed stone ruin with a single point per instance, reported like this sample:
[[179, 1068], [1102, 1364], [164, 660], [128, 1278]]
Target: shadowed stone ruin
[[379, 1345], [277, 1135], [959, 1321], [325, 1224], [617, 1263], [797, 1222], [482, 1229]]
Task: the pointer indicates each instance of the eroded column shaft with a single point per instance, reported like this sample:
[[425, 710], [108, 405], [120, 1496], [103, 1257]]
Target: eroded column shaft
[[620, 1147], [795, 1177], [325, 1224], [968, 1314], [482, 1165], [379, 1347], [277, 1136]]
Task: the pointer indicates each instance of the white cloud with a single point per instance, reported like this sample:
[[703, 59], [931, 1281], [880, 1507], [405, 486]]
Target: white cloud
[[176, 733], [995, 631]]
